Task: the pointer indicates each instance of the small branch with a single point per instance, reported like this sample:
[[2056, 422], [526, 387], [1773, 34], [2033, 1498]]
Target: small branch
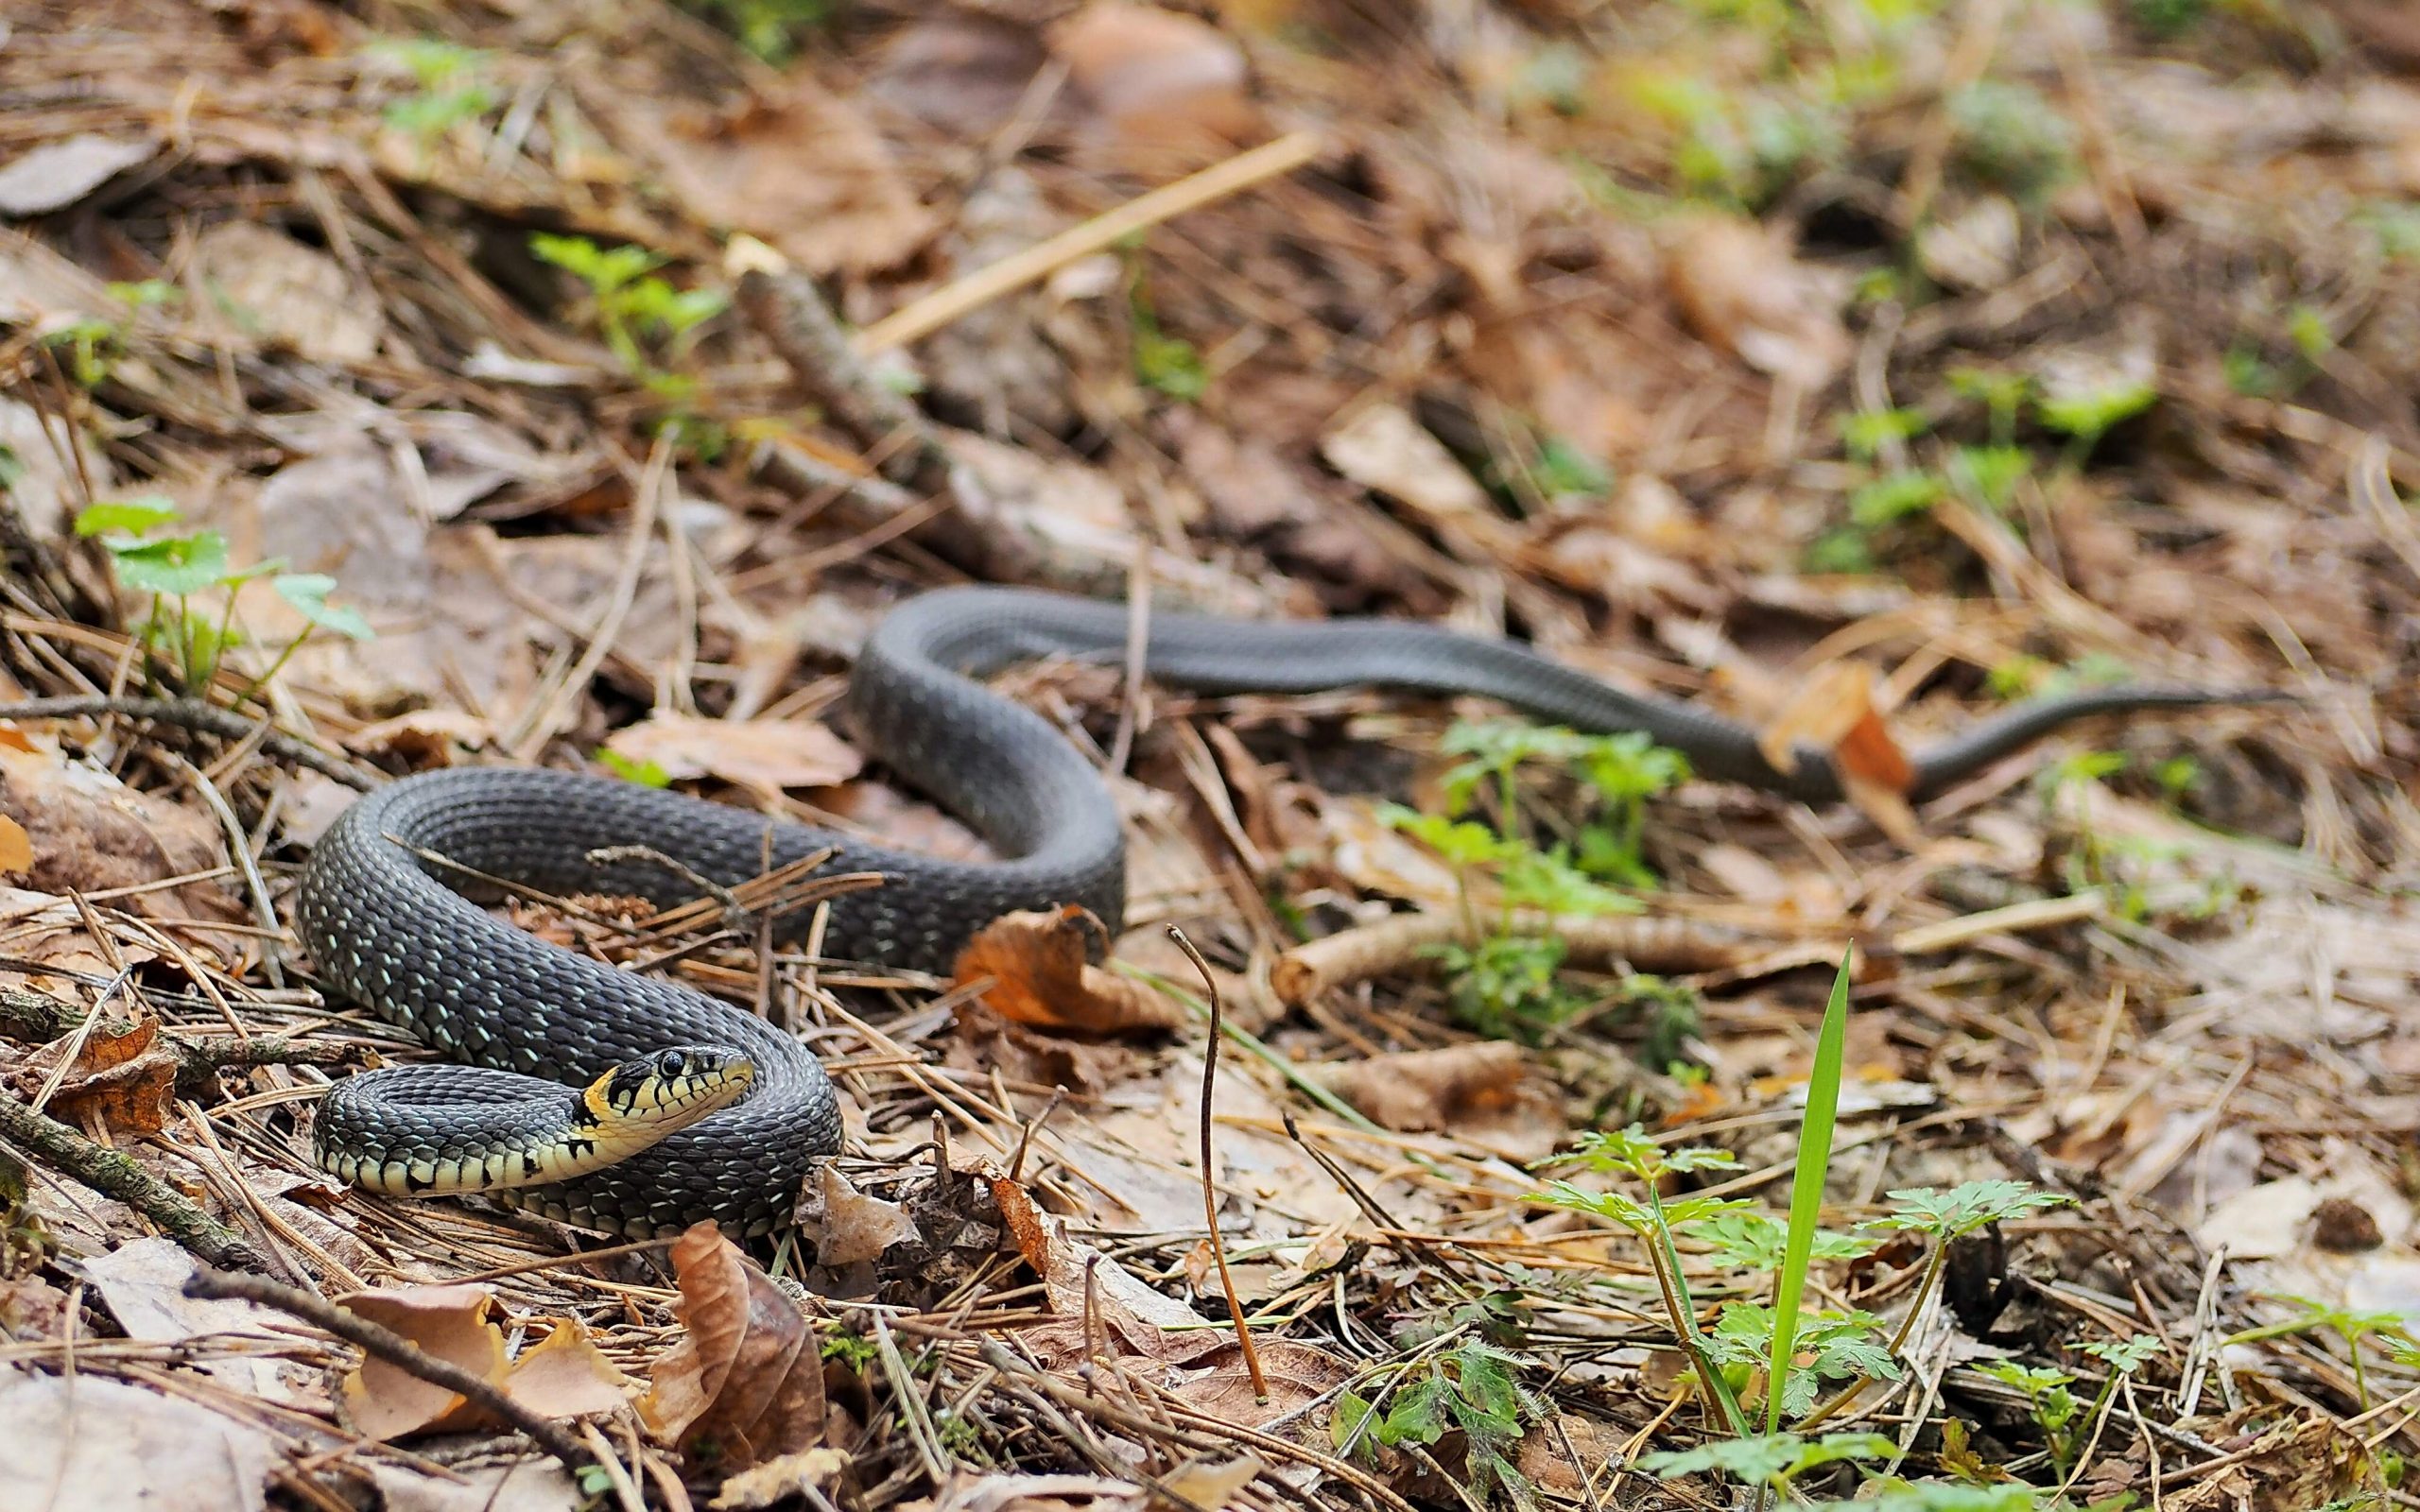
[[39, 1020], [921, 317], [192, 713], [396, 1351], [114, 1174], [1210, 1186], [785, 308]]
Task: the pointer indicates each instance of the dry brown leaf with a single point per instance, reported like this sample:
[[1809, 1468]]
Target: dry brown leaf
[[800, 170], [121, 1077], [1165, 90], [1834, 713], [745, 1384], [1211, 1483], [143, 1283], [1738, 282], [1384, 449], [1041, 976], [452, 1323], [563, 1375], [847, 1227], [93, 833], [1298, 1374], [1479, 1090], [85, 1440], [765, 756], [58, 172], [16, 847], [779, 1481], [279, 291], [560, 1376], [1127, 1316]]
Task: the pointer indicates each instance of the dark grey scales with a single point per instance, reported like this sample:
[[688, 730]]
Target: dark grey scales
[[391, 931]]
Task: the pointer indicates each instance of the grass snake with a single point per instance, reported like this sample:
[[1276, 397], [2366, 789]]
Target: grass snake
[[406, 936]]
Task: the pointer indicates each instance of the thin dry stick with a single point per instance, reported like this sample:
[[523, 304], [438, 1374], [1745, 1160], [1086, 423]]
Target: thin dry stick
[[114, 1173], [922, 317], [191, 713], [1210, 1188], [396, 1351]]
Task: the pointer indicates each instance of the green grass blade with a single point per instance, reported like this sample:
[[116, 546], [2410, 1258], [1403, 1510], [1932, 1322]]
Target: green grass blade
[[1806, 1188]]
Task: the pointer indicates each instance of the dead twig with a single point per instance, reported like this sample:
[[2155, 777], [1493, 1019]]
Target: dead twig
[[39, 1020], [114, 1174], [192, 713], [1209, 1187]]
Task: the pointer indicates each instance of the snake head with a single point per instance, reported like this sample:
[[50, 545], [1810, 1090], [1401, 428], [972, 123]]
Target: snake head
[[669, 1089]]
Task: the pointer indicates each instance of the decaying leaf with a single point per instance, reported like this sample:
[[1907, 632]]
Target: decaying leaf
[[1834, 713], [765, 756], [1738, 284], [84, 1440], [1166, 90], [56, 174], [848, 1227], [16, 847], [1384, 449], [120, 1077], [90, 832], [1298, 1374], [778, 1481], [745, 1384], [1040, 975], [562, 1376], [144, 1281], [1100, 1308], [1480, 1090], [276, 289]]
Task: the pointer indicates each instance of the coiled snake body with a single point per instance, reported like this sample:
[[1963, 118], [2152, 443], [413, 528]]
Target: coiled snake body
[[392, 928]]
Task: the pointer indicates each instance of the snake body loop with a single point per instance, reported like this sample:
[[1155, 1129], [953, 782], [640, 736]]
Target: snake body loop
[[393, 927]]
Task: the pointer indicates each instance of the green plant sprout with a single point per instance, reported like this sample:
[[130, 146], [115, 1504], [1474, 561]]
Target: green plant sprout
[[2003, 394], [1633, 1154], [449, 89], [1504, 981], [1774, 1461], [2352, 1325], [2086, 415], [94, 345], [1805, 1208], [769, 28], [1942, 1218], [179, 567], [627, 301], [1472, 1390]]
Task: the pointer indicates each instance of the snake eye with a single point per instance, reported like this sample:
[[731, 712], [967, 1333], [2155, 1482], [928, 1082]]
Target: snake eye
[[671, 1063]]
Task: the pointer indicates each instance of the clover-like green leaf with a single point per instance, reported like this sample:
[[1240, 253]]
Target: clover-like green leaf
[[175, 565], [307, 593], [137, 516]]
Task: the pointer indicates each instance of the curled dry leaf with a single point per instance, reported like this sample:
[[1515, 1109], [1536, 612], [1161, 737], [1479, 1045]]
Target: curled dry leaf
[[779, 1481], [1126, 1316], [90, 832], [1041, 975], [1834, 713], [1738, 284], [1480, 1090], [121, 1077], [765, 756], [847, 1227], [16, 847], [745, 1384], [563, 1376]]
